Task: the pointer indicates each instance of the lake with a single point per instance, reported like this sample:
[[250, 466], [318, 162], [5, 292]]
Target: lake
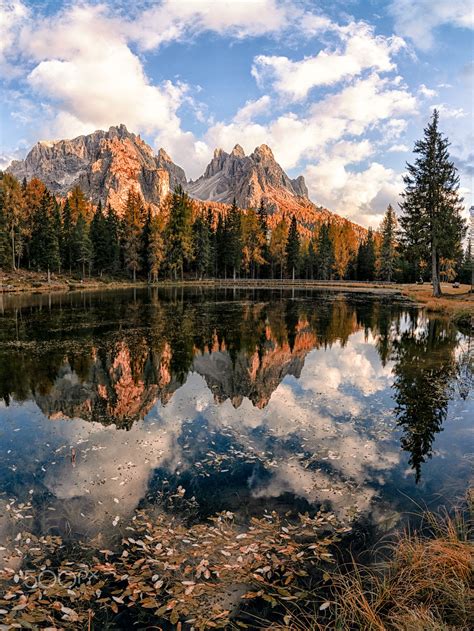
[[250, 401]]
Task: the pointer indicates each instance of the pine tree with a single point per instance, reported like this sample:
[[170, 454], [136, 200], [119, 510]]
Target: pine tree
[[113, 239], [263, 220], [324, 253], [201, 246], [44, 239], [252, 242], [388, 230], [179, 233], [99, 240], [431, 218], [234, 239], [221, 247], [293, 248], [58, 229], [82, 253], [132, 233], [366, 258], [145, 245], [5, 245], [156, 248], [278, 240], [67, 241]]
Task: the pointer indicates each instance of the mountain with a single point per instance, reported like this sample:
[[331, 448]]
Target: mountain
[[247, 178], [105, 164]]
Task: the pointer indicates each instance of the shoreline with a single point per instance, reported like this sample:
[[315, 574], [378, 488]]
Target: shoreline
[[453, 302]]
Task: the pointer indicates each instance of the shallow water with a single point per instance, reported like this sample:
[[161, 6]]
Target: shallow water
[[249, 401]]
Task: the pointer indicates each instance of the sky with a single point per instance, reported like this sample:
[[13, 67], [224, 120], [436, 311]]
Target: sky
[[340, 90]]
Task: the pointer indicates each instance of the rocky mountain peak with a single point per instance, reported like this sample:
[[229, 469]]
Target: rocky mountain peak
[[105, 164], [263, 152], [238, 152]]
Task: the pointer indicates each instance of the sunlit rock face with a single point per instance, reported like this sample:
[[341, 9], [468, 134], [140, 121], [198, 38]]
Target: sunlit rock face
[[248, 179], [106, 165]]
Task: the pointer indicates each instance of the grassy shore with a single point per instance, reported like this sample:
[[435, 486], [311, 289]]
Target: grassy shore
[[270, 574]]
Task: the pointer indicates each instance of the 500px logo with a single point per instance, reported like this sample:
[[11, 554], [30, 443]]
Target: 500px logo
[[47, 578]]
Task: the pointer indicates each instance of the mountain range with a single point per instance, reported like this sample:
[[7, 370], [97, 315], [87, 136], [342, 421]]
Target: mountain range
[[106, 165]]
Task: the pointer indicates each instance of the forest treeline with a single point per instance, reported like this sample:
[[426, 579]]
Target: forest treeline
[[41, 232]]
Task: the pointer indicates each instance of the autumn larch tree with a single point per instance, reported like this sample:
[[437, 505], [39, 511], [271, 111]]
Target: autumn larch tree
[[431, 206], [278, 240]]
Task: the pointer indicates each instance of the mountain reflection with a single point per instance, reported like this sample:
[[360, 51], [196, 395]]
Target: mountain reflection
[[110, 358]]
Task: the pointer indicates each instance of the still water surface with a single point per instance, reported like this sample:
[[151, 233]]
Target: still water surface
[[248, 401]]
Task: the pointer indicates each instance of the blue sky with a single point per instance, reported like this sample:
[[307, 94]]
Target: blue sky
[[339, 90]]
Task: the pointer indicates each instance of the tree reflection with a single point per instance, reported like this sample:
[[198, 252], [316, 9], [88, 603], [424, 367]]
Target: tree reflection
[[425, 369]]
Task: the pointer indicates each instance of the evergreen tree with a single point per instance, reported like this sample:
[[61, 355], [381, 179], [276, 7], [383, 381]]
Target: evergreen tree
[[5, 245], [58, 229], [112, 226], [201, 246], [132, 234], [431, 218], [221, 247], [211, 270], [278, 240], [234, 239], [252, 242], [82, 253], [388, 247], [465, 271], [44, 239], [156, 248], [145, 245], [179, 233], [100, 240], [67, 241], [324, 253], [366, 258], [293, 248], [263, 221]]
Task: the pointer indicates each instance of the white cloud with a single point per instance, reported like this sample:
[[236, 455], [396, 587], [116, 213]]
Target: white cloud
[[418, 20], [252, 109], [361, 196], [13, 14], [84, 65], [427, 92], [398, 148], [173, 20], [361, 50], [445, 111]]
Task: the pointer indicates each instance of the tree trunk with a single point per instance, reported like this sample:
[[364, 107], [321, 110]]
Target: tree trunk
[[293, 274], [435, 272], [134, 275]]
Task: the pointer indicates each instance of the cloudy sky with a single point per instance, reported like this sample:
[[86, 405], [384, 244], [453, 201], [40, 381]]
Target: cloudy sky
[[339, 89]]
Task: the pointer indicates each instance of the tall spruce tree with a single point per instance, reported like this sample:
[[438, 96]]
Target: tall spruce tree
[[201, 246], [82, 244], [431, 207], [99, 240], [5, 244], [293, 248], [366, 258], [67, 241], [179, 233], [44, 239], [234, 239], [132, 233], [156, 248], [264, 269], [324, 253], [388, 246], [112, 225]]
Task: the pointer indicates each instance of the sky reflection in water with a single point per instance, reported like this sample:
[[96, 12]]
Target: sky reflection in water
[[250, 401]]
